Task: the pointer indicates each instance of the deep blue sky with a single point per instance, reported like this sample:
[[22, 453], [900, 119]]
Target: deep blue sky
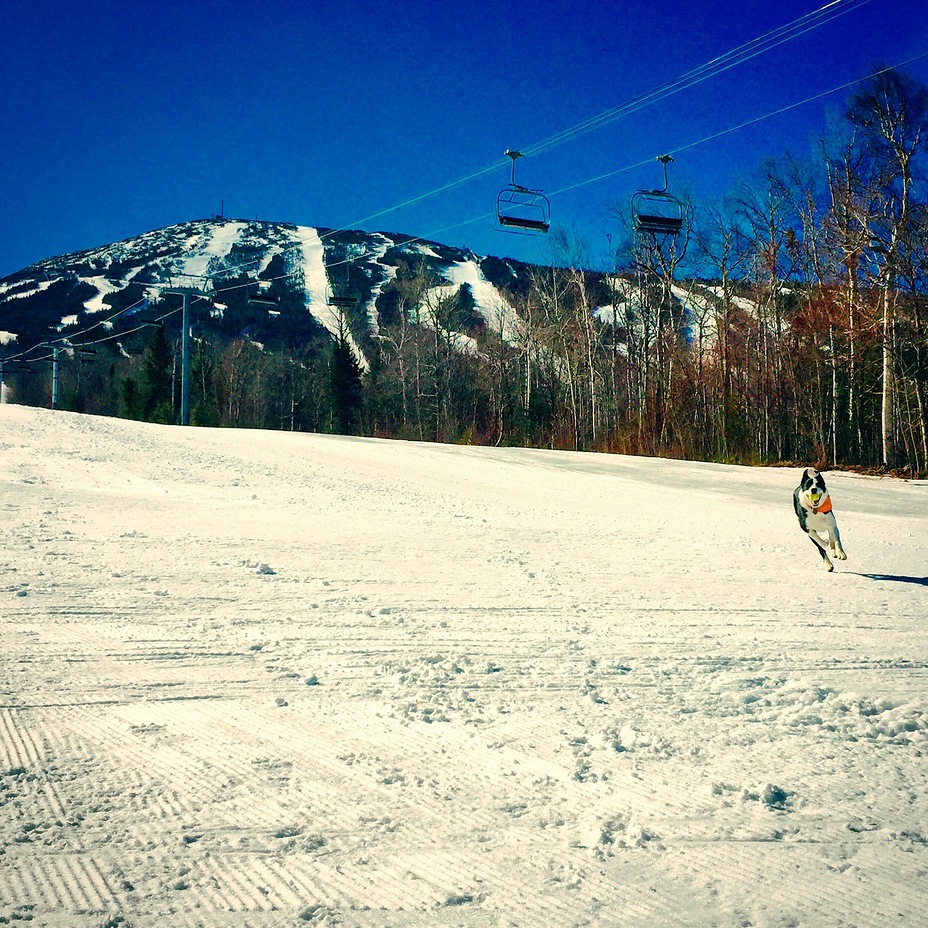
[[123, 117]]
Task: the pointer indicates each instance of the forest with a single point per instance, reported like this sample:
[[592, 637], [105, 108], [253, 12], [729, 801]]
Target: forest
[[786, 323]]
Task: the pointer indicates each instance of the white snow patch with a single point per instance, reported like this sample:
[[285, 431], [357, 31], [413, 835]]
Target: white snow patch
[[700, 313], [383, 244], [500, 316], [317, 287], [422, 249], [37, 287], [626, 295], [104, 287], [742, 303], [216, 242]]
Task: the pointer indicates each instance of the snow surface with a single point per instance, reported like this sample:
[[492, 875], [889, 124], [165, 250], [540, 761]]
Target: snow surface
[[744, 304], [38, 287], [104, 288], [263, 679], [625, 291], [204, 247], [379, 244], [500, 316], [699, 312]]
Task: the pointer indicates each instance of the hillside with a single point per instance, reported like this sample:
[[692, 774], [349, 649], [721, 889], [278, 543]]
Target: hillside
[[255, 678], [256, 273]]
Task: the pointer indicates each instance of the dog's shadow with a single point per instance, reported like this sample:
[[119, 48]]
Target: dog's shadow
[[896, 578]]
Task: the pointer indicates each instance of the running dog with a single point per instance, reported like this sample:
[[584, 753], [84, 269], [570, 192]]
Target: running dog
[[813, 509]]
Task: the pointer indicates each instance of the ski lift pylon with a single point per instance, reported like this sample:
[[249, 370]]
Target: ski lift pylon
[[522, 209], [657, 212]]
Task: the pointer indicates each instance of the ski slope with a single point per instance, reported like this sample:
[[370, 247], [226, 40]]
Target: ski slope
[[262, 679]]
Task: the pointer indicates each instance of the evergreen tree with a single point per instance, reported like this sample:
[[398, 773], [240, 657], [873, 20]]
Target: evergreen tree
[[205, 402], [130, 401], [157, 386], [345, 382]]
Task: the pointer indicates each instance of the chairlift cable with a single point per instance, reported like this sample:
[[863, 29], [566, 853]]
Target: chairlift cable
[[686, 145], [757, 46], [734, 57], [562, 190], [745, 52], [648, 161], [744, 125], [703, 72], [97, 324]]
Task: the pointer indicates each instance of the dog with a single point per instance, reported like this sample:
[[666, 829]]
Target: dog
[[812, 503]]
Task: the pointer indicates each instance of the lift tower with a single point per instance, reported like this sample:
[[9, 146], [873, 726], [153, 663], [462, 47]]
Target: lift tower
[[188, 287]]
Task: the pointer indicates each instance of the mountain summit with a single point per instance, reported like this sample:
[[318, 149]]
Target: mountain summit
[[266, 281]]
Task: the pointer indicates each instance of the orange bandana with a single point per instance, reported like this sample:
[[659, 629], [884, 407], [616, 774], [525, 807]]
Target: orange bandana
[[825, 507]]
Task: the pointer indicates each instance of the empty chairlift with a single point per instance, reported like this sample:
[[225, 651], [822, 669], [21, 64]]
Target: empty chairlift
[[522, 209], [256, 296], [340, 293], [657, 212]]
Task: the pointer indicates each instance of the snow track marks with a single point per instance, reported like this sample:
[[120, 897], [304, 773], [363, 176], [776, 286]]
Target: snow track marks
[[262, 680]]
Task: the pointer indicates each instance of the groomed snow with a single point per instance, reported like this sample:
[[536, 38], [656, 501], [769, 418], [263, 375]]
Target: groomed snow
[[317, 287], [501, 318], [37, 287], [104, 287], [205, 246], [264, 679]]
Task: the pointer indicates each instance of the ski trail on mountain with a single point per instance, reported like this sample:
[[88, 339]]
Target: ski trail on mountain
[[317, 289]]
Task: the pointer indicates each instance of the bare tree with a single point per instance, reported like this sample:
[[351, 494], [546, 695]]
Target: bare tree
[[891, 113]]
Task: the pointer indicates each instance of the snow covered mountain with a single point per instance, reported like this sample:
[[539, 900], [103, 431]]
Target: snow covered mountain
[[337, 277]]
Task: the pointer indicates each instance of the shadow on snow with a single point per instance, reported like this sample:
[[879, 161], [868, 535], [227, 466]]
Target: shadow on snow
[[896, 578]]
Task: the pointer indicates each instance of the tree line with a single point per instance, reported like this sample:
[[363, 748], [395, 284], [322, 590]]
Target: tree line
[[787, 322]]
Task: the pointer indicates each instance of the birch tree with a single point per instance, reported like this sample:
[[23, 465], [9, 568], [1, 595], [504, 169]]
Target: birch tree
[[891, 113]]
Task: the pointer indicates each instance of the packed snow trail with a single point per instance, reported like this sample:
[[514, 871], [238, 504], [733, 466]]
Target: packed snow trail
[[256, 678]]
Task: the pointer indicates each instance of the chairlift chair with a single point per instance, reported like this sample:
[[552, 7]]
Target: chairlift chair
[[344, 300], [522, 209], [257, 298], [657, 212], [257, 301], [339, 293]]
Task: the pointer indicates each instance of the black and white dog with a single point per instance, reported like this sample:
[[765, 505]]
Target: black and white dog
[[813, 509]]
